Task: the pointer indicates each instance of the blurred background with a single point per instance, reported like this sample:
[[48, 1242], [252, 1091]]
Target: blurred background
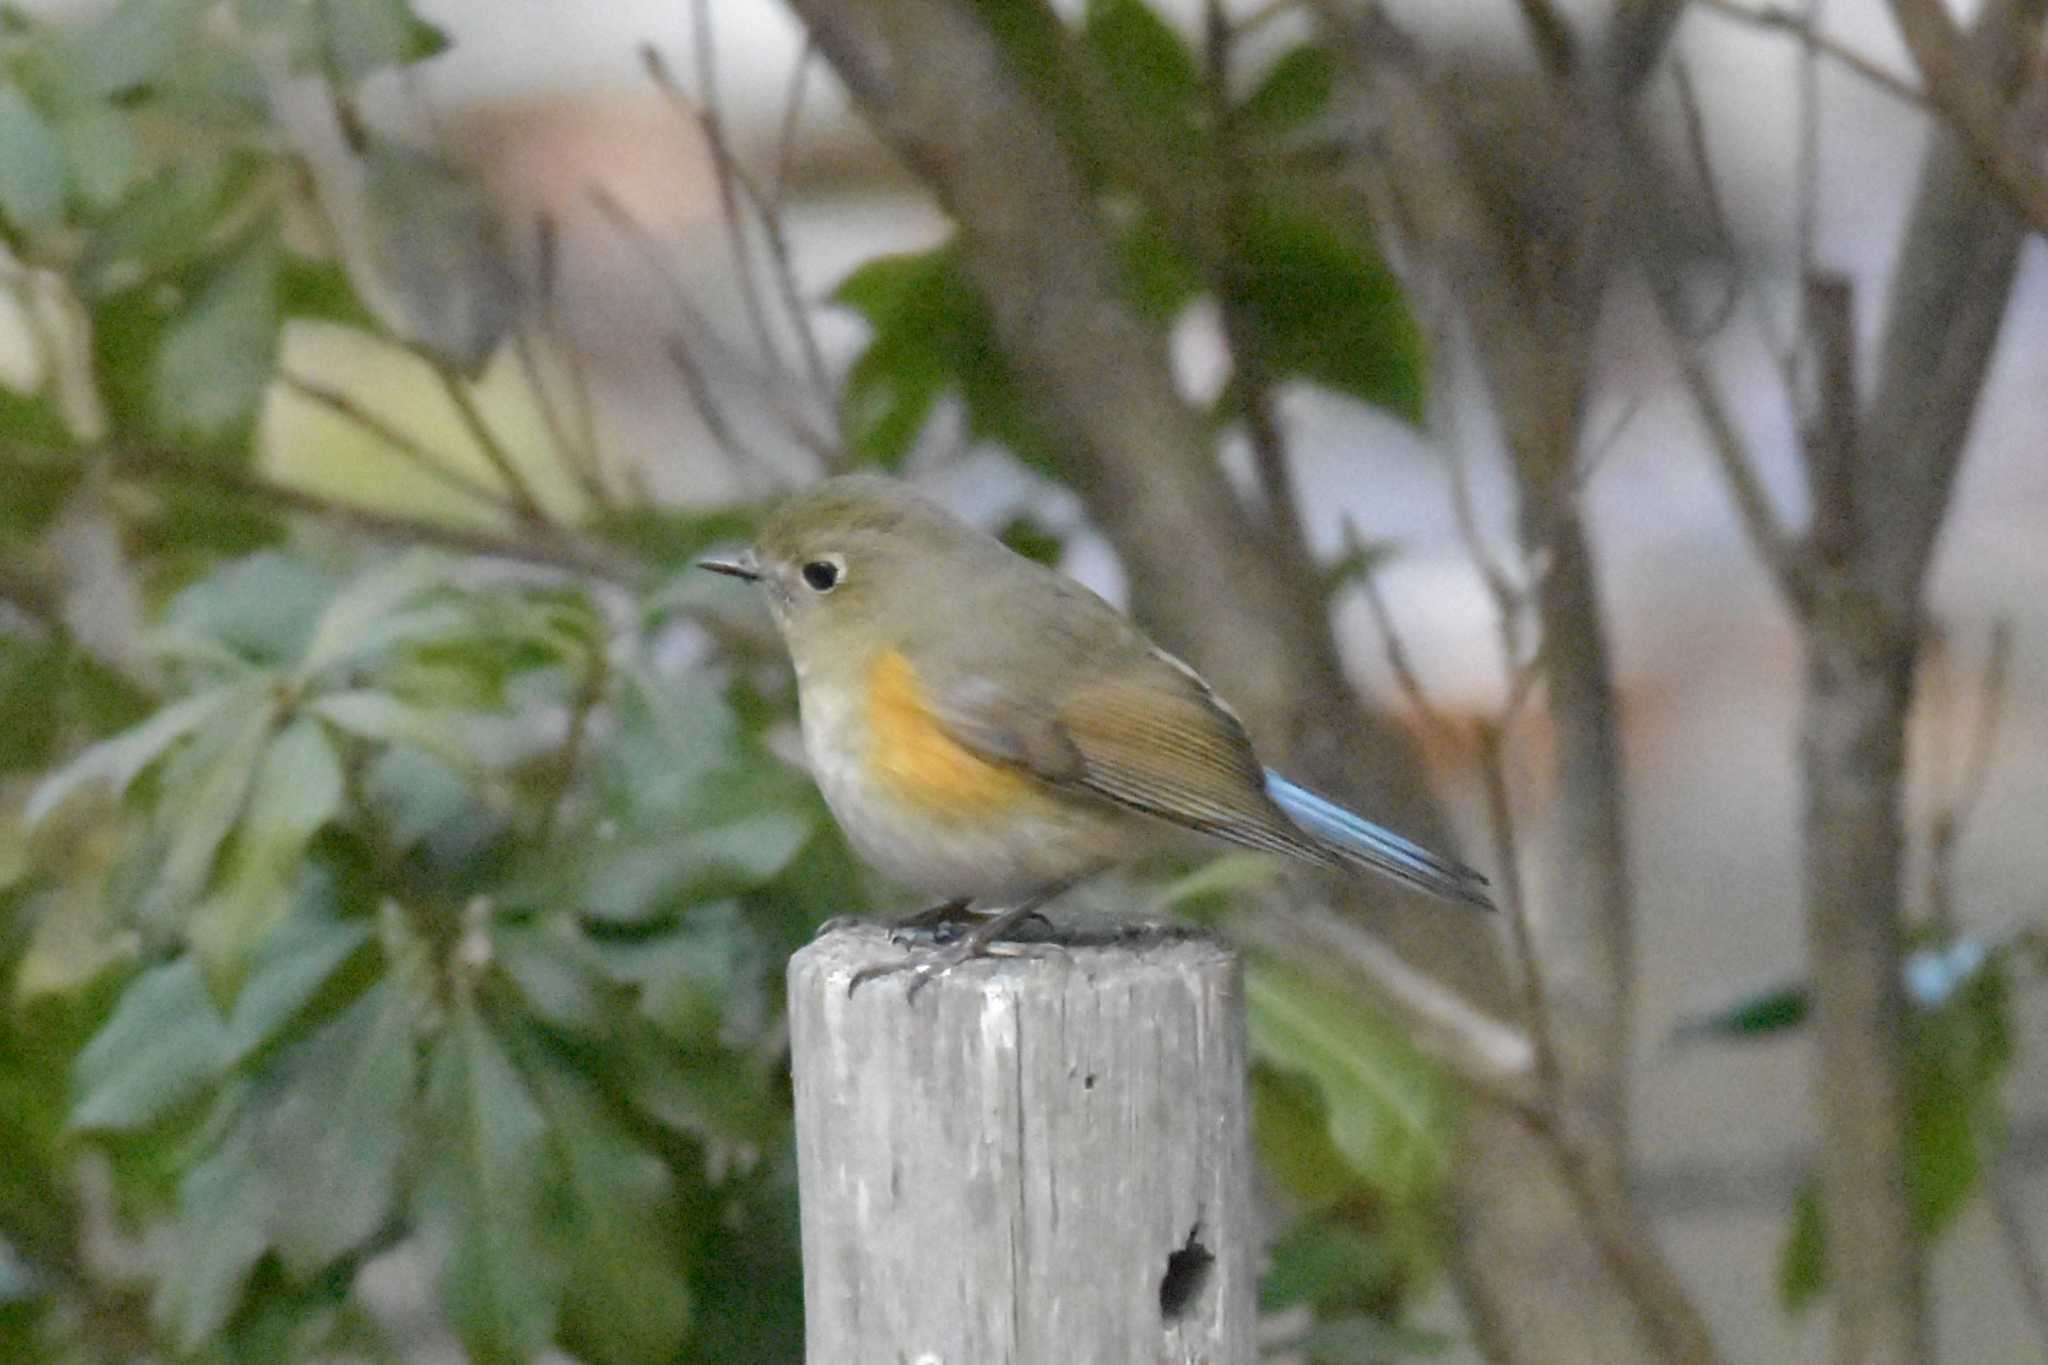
[[399, 848]]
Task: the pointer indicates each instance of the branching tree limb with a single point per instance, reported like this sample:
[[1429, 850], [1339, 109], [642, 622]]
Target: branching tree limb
[[1879, 474], [1510, 206]]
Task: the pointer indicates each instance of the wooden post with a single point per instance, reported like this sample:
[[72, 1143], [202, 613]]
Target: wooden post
[[1036, 1161]]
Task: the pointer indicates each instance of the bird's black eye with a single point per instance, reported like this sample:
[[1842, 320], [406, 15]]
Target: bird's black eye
[[822, 574]]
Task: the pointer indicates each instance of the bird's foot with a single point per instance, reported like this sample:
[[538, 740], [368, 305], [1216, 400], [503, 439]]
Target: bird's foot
[[980, 941], [929, 965]]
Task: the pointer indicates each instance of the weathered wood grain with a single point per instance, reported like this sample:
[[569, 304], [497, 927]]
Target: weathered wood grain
[[1001, 1170]]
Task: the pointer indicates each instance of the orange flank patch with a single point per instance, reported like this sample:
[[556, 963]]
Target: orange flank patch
[[922, 765]]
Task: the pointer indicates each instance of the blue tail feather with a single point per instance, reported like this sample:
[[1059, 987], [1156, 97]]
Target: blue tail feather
[[1359, 841]]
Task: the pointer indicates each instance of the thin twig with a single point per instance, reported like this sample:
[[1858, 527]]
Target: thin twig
[[1514, 904], [1489, 1057], [520, 491], [792, 113], [709, 117], [2002, 144], [1241, 333], [1779, 549], [563, 778], [742, 460], [1694, 124], [580, 460], [583, 411], [1395, 648], [1742, 282], [544, 544], [642, 240], [1806, 228], [1802, 28], [405, 446], [734, 186], [572, 456]]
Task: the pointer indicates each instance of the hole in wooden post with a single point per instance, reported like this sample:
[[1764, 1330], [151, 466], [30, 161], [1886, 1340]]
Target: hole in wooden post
[[1088, 1081], [1187, 1270]]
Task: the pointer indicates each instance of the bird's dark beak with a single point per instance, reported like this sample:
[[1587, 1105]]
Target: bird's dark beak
[[741, 565]]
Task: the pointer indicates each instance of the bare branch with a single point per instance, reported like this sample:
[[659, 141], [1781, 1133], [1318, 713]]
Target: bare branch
[[583, 412], [1958, 85], [405, 446], [735, 185], [1394, 647], [1551, 36], [1802, 28], [1490, 1057], [575, 458], [644, 242], [792, 114], [742, 459], [1642, 30], [524, 504], [1774, 544], [1249, 376], [541, 544]]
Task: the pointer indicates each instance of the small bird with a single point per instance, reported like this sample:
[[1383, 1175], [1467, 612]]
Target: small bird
[[988, 731]]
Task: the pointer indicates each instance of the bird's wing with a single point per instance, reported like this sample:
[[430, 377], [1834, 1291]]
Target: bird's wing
[[1148, 736]]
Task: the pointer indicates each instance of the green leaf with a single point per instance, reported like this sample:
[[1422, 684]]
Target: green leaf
[[368, 616], [125, 48], [335, 1112], [31, 164], [264, 606], [31, 673], [1294, 89], [294, 963], [560, 980], [323, 291], [163, 1045], [1759, 1016], [626, 1298], [346, 41], [203, 800], [381, 717], [363, 36], [1158, 274], [633, 881], [297, 789], [416, 795], [225, 1204], [218, 357], [1326, 311], [160, 224], [1144, 58], [117, 762], [1389, 1111], [99, 148], [482, 1199], [1325, 1264], [1802, 1265], [674, 538], [1031, 538], [932, 336], [1957, 1058]]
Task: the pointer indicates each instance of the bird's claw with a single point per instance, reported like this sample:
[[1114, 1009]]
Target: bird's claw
[[929, 968]]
